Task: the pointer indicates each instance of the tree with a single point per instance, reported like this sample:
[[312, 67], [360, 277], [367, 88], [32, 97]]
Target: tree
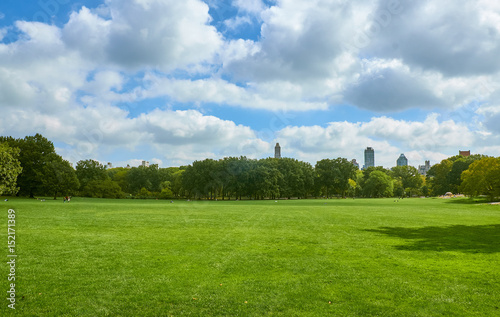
[[59, 177], [90, 170], [120, 176], [334, 175], [409, 178], [10, 168], [365, 175], [447, 175], [177, 188], [343, 171], [102, 189], [482, 178], [379, 184], [201, 179], [34, 152], [325, 175], [437, 177]]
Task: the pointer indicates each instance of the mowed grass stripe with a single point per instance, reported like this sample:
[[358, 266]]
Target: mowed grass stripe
[[287, 258]]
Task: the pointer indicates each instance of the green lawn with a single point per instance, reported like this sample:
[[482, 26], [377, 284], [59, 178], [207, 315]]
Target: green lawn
[[415, 257]]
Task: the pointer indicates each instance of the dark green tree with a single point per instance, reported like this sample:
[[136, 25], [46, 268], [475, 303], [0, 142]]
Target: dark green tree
[[325, 176], [90, 170], [60, 177], [344, 171], [34, 151], [102, 189]]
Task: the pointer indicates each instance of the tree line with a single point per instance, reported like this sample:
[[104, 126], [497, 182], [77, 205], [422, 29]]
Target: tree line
[[31, 167]]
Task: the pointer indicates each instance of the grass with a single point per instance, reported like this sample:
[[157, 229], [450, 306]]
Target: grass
[[415, 257]]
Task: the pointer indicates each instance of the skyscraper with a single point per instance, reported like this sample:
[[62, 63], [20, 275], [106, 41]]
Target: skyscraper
[[402, 160], [277, 151], [369, 157]]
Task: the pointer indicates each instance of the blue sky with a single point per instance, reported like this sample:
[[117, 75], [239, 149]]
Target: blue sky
[[176, 81]]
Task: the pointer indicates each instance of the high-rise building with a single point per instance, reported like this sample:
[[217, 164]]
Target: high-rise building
[[277, 151], [369, 158], [423, 169], [402, 160], [145, 164]]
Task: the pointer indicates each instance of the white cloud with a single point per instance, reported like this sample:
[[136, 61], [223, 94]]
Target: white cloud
[[425, 140], [300, 41], [456, 38], [163, 34], [272, 96], [65, 82]]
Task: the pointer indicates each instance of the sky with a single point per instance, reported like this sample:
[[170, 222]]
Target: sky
[[171, 82]]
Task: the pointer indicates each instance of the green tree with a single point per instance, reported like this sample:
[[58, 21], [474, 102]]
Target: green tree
[[437, 177], [334, 175], [60, 177], [379, 184], [176, 182], [120, 176], [33, 156], [325, 176], [343, 171], [10, 168], [409, 177], [102, 189], [482, 178], [144, 193], [365, 175], [90, 170], [447, 175]]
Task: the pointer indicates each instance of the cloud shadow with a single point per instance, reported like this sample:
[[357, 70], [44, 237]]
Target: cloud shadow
[[460, 238]]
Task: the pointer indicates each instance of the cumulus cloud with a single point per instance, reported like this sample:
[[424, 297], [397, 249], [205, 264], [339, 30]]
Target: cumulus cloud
[[491, 118], [391, 89], [279, 96], [456, 38], [300, 41], [162, 34], [382, 56]]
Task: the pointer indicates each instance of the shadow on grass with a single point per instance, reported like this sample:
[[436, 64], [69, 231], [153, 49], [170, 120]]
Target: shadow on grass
[[467, 239], [468, 201]]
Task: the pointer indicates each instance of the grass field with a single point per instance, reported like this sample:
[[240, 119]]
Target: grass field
[[415, 257]]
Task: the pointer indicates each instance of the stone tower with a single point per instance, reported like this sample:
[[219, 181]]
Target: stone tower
[[277, 151]]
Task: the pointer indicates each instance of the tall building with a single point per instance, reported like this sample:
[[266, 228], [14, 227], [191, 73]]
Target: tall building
[[369, 158], [423, 169], [277, 151], [145, 164], [464, 153], [402, 160]]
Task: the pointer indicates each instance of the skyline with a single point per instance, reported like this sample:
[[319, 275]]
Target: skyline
[[170, 83], [277, 155]]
